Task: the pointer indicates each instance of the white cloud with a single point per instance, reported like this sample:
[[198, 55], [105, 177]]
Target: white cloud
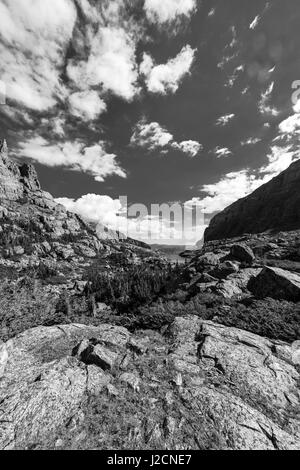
[[189, 147], [111, 64], [168, 10], [92, 160], [34, 37], [152, 136], [166, 78], [222, 152], [86, 105], [236, 185], [264, 104], [224, 120], [250, 141], [291, 125], [94, 208], [255, 22], [137, 222]]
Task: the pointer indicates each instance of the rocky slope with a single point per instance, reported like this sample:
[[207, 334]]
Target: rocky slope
[[35, 228], [197, 386], [273, 206], [213, 363]]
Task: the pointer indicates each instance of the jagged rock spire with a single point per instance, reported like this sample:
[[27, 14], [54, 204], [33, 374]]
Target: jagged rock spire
[[3, 146]]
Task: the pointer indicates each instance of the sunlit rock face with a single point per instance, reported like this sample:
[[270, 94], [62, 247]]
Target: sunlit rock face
[[10, 185], [273, 206]]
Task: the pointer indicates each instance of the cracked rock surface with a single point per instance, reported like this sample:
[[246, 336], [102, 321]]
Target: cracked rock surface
[[198, 386]]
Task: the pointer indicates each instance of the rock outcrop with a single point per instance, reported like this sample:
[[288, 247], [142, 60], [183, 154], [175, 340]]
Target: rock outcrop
[[273, 206], [198, 386], [34, 227], [276, 283]]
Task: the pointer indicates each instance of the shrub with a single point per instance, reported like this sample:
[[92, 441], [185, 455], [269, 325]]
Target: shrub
[[126, 290], [273, 319], [279, 320], [26, 304]]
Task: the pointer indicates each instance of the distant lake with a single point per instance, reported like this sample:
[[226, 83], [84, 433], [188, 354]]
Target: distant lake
[[172, 252]]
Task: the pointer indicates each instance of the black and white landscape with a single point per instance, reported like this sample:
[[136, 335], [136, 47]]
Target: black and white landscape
[[149, 225]]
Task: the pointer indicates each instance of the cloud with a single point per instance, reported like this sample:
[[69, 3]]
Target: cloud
[[222, 152], [289, 129], [152, 136], [291, 125], [34, 40], [236, 185], [166, 78], [34, 37], [224, 120], [92, 160], [94, 208], [189, 147], [250, 141], [86, 105], [164, 11], [264, 104], [136, 221], [255, 22]]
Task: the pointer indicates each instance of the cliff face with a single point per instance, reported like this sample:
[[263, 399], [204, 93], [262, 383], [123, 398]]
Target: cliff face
[[273, 206], [15, 181], [34, 227]]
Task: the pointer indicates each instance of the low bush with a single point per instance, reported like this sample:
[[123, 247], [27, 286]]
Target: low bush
[[26, 304], [126, 290], [274, 319]]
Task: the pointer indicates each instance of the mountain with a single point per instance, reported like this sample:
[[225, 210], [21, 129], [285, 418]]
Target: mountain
[[273, 206], [35, 228], [117, 348]]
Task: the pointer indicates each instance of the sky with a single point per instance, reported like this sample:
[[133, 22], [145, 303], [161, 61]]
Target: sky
[[184, 102]]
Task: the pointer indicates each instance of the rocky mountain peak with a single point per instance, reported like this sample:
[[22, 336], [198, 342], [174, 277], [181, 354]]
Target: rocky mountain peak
[[273, 206], [3, 148], [35, 228], [16, 180]]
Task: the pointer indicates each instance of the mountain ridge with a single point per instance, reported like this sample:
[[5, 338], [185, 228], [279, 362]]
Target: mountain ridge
[[273, 206], [35, 228]]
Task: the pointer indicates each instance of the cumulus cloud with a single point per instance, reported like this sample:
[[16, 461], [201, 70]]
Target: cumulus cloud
[[222, 152], [291, 125], [34, 37], [236, 185], [166, 78], [250, 141], [92, 160], [224, 120], [189, 147], [111, 63], [264, 105], [164, 11], [137, 221], [94, 207], [152, 136], [86, 105]]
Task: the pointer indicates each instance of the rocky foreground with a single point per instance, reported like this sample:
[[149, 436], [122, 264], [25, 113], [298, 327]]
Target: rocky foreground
[[198, 385]]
